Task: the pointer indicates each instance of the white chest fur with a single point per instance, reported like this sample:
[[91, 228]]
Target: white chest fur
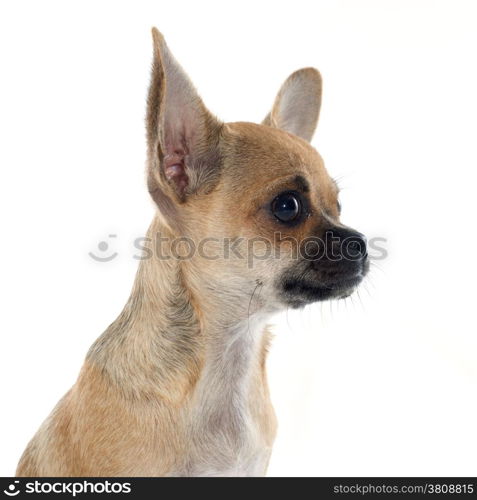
[[226, 440]]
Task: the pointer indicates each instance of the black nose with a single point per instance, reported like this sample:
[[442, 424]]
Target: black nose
[[352, 244], [357, 245]]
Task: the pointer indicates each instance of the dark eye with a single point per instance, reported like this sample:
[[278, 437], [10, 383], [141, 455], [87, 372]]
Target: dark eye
[[286, 207]]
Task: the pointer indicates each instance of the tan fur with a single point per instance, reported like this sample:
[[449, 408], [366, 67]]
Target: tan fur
[[177, 384]]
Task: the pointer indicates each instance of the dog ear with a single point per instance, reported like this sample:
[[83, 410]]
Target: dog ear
[[182, 134], [297, 105]]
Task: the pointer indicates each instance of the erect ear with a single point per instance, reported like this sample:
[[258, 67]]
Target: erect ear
[[297, 105], [182, 134]]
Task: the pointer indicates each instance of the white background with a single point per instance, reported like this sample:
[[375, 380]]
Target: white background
[[381, 385]]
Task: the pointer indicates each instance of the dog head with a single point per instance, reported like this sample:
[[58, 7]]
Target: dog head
[[255, 200]]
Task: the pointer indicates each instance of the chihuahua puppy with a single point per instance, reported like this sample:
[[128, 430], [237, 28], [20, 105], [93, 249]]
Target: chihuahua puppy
[[176, 385]]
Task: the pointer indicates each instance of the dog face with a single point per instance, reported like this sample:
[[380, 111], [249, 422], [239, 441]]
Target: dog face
[[256, 200]]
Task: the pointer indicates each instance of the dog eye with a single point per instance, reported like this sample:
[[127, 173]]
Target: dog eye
[[286, 207]]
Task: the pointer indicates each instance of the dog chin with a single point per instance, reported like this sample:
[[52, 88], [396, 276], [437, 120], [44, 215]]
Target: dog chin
[[299, 293]]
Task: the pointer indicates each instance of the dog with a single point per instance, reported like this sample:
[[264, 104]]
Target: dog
[[176, 385]]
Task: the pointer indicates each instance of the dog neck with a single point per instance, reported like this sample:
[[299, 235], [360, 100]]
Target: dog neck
[[169, 342]]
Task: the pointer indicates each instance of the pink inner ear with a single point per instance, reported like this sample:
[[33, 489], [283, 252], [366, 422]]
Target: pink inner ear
[[176, 173]]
